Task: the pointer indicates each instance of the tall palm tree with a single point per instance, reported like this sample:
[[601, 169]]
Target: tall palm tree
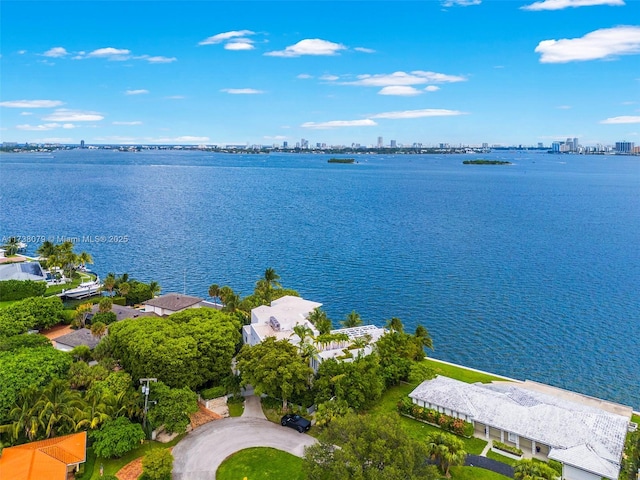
[[82, 312], [225, 293], [446, 450], [271, 278], [154, 289], [395, 325], [59, 407], [352, 319], [25, 416], [12, 246], [46, 249], [302, 331], [214, 292], [109, 283], [423, 337], [96, 405], [85, 258], [123, 289]]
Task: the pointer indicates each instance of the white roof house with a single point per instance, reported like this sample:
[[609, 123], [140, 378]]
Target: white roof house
[[278, 319], [22, 271], [336, 349], [585, 434]]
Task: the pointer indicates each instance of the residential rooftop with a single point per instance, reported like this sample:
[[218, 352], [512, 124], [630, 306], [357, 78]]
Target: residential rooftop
[[173, 301]]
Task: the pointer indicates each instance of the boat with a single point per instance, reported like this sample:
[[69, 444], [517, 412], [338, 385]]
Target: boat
[[84, 290]]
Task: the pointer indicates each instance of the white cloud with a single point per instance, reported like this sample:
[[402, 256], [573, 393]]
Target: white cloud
[[599, 44], [630, 102], [66, 115], [157, 59], [340, 123], [304, 76], [564, 107], [562, 4], [24, 114], [137, 122], [56, 52], [175, 97], [364, 50], [52, 140], [309, 46], [141, 91], [31, 103], [110, 53], [329, 78], [222, 37], [622, 119], [185, 139], [431, 88], [242, 91], [244, 44], [417, 77], [21, 52], [45, 127], [188, 138], [427, 112], [460, 3], [401, 90], [276, 137]]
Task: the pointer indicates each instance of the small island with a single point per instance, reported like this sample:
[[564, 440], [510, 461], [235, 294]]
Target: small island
[[341, 160], [485, 162]]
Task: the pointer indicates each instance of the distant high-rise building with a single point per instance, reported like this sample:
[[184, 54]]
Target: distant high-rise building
[[624, 147], [575, 144], [304, 143], [285, 144], [540, 145], [556, 146], [81, 143], [394, 144], [380, 143], [485, 145]]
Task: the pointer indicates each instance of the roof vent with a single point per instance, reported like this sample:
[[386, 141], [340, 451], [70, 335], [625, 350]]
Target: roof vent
[[275, 324]]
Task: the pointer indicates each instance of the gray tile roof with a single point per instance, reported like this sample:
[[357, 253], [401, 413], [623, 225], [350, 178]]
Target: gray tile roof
[[549, 419], [123, 312], [173, 301], [82, 336]]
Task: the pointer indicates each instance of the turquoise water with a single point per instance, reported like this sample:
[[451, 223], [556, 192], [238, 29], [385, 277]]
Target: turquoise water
[[530, 270]]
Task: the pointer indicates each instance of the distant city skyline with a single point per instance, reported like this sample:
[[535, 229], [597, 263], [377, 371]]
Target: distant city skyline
[[457, 72]]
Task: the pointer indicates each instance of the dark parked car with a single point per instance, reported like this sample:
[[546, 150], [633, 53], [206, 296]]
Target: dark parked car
[[296, 421]]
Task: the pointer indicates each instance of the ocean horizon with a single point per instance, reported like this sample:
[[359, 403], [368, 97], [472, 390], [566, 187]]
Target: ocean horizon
[[529, 270]]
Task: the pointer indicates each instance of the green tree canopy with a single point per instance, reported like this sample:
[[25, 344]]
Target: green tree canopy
[[189, 348], [157, 464], [527, 469], [117, 437], [446, 450], [173, 408], [28, 367], [36, 312], [275, 368], [367, 448]]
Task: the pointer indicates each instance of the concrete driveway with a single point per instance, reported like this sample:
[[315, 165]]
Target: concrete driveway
[[199, 454]]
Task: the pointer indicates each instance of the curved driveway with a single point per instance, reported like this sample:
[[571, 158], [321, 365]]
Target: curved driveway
[[199, 454]]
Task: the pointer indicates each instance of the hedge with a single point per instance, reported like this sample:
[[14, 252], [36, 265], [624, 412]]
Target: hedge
[[429, 415], [213, 392], [20, 289], [507, 448]]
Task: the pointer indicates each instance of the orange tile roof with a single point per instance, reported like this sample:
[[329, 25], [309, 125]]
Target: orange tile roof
[[44, 459]]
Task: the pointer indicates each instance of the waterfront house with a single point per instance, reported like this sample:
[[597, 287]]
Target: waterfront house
[[53, 459], [583, 433], [122, 312], [171, 303], [82, 336], [278, 319], [22, 271]]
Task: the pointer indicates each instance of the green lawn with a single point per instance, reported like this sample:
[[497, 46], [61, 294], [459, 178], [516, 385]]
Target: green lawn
[[112, 465], [235, 408], [78, 278], [635, 418], [461, 374], [474, 473], [501, 458], [261, 463]]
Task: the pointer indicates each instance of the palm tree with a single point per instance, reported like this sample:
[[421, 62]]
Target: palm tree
[[82, 312], [423, 337], [98, 329], [25, 416], [105, 304], [395, 325], [59, 407], [123, 289], [94, 414], [85, 258], [446, 450], [109, 283], [214, 292], [154, 289], [302, 331], [527, 469], [225, 293], [271, 278], [46, 249], [12, 246], [352, 319]]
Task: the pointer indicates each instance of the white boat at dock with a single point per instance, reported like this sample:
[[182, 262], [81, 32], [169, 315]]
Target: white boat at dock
[[84, 290]]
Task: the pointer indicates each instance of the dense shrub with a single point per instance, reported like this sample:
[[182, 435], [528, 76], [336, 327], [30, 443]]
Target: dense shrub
[[36, 312], [119, 301], [117, 437], [20, 289], [105, 317], [213, 392], [557, 466], [507, 448], [446, 422], [26, 340]]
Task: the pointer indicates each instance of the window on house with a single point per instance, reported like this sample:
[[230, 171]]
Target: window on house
[[513, 437]]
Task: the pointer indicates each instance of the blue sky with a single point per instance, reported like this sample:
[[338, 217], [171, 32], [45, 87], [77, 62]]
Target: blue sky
[[454, 71]]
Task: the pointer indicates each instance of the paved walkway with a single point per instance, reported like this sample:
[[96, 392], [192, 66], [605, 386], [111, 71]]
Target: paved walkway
[[487, 448], [199, 454]]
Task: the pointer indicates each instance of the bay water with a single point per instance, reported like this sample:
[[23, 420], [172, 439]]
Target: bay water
[[530, 270]]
